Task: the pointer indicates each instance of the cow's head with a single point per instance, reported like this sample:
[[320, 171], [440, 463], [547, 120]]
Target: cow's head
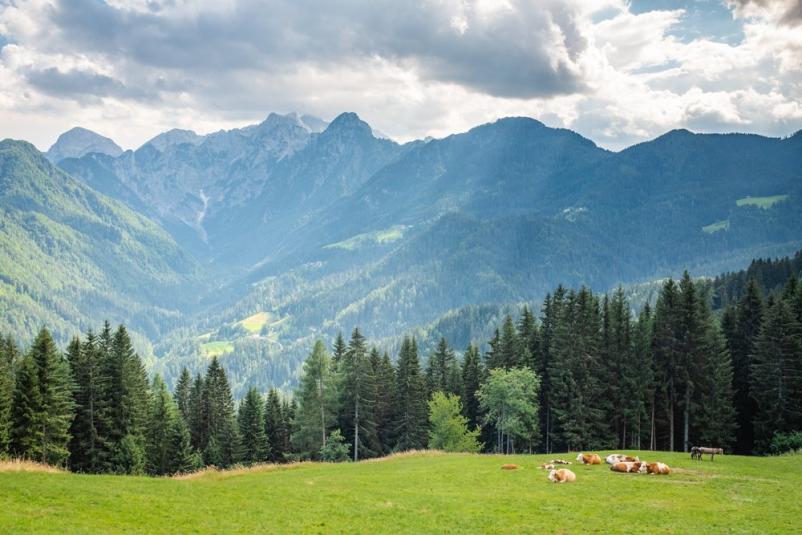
[[642, 467], [579, 457], [553, 475]]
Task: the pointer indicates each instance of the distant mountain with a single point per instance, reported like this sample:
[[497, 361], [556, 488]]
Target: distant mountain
[[171, 138], [70, 257], [77, 142], [323, 228]]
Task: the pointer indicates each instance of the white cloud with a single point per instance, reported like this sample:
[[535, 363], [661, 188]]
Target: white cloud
[[133, 68]]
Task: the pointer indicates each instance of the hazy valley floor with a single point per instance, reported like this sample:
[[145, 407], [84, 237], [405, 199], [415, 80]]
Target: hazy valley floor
[[421, 493]]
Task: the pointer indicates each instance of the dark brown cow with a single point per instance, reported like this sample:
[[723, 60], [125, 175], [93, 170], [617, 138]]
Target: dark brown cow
[[697, 452]]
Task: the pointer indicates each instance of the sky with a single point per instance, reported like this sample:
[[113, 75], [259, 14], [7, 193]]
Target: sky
[[618, 72]]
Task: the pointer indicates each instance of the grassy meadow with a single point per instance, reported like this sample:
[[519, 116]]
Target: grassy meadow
[[425, 492]]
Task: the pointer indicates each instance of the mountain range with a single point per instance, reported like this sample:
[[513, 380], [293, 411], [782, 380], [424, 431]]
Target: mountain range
[[295, 228]]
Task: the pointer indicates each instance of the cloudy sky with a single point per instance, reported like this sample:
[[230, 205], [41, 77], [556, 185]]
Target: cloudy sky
[[618, 72]]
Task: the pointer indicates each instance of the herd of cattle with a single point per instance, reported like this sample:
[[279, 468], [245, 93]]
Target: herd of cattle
[[617, 461]]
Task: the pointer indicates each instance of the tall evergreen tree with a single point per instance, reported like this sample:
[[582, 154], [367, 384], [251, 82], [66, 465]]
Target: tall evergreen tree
[[529, 337], [718, 416], [218, 417], [411, 417], [643, 409], [163, 449], [358, 397], [43, 407], [89, 447], [183, 393], [666, 350], [741, 338], [195, 421], [384, 376], [442, 369], [338, 351], [317, 396], [472, 375], [777, 375], [254, 447], [275, 427], [6, 392]]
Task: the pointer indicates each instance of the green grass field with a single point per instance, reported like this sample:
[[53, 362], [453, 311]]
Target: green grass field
[[254, 323], [420, 493], [717, 226], [379, 237], [215, 349], [761, 202]]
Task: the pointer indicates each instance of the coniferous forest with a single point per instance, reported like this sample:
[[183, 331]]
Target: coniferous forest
[[585, 373]]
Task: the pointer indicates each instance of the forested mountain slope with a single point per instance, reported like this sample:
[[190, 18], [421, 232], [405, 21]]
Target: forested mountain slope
[[69, 255]]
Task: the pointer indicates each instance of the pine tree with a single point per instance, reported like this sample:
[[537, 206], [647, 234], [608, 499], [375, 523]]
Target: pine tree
[[275, 429], [666, 350], [472, 375], [163, 422], [440, 372], [253, 441], [411, 417], [718, 417], [529, 337], [128, 395], [183, 391], [338, 351], [89, 448], [512, 352], [777, 375], [643, 410], [317, 396], [693, 356], [43, 405], [742, 337], [218, 418], [197, 430], [358, 397], [384, 375], [7, 358], [289, 409]]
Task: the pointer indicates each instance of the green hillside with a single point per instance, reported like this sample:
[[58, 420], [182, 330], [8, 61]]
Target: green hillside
[[69, 255], [417, 493]]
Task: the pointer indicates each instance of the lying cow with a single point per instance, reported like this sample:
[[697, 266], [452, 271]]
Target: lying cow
[[559, 461], [563, 475], [658, 468], [588, 458], [696, 452], [633, 467], [547, 466], [620, 458]]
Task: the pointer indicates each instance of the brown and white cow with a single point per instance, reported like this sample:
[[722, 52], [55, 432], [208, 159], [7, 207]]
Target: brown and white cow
[[588, 458], [634, 467], [658, 468], [563, 475], [620, 458]]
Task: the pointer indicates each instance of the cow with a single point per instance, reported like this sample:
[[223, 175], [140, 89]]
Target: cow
[[563, 475], [547, 466], [620, 458], [634, 467], [588, 458], [559, 461], [658, 468], [696, 452], [509, 467]]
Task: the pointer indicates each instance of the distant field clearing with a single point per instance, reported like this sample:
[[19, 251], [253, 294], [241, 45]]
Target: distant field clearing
[[717, 226], [254, 323], [215, 349], [761, 202]]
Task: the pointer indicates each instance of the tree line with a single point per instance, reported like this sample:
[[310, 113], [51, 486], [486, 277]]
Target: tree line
[[585, 374]]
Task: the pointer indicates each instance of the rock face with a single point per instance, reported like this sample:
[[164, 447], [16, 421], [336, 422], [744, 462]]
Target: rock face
[[78, 142]]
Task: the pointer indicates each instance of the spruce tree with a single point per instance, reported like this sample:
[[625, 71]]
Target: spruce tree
[[317, 396], [384, 375], [666, 350], [644, 409], [777, 375], [358, 397], [197, 429], [160, 430], [253, 441], [275, 429], [717, 416], [742, 337], [529, 337], [89, 445], [338, 351], [440, 372], [44, 406], [183, 391], [472, 375], [411, 417], [7, 356], [218, 418]]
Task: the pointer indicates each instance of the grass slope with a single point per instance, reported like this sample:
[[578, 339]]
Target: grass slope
[[422, 493], [761, 202]]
